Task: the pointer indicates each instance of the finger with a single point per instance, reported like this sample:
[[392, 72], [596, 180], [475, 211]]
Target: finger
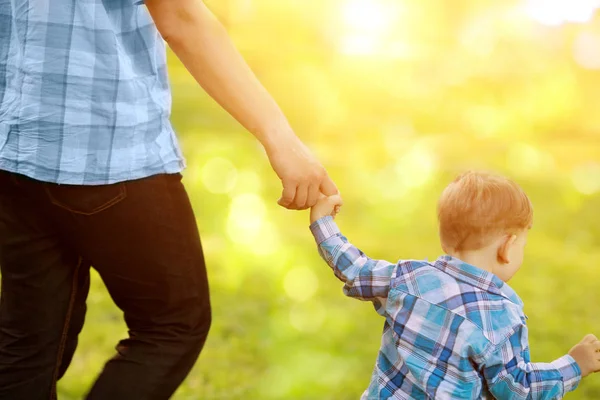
[[313, 195], [327, 187], [589, 338], [301, 197], [287, 195], [336, 199]]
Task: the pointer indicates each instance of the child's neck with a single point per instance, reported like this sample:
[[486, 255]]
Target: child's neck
[[484, 259]]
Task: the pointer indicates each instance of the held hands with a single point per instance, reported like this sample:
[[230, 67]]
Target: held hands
[[303, 177], [587, 355], [327, 205]]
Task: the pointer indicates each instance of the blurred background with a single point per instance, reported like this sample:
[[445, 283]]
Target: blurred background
[[395, 97]]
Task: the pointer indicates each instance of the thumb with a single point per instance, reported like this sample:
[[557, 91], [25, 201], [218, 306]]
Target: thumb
[[590, 338]]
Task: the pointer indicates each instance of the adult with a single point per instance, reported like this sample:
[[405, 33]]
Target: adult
[[90, 176]]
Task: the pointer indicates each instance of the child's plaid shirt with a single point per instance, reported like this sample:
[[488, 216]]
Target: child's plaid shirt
[[452, 330]]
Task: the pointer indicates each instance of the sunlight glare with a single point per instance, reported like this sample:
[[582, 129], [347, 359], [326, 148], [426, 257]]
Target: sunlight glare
[[416, 168], [367, 22], [557, 12], [359, 45], [586, 50], [267, 242], [366, 15], [247, 225], [246, 218]]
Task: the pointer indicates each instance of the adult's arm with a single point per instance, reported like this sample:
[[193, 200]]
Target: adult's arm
[[203, 45]]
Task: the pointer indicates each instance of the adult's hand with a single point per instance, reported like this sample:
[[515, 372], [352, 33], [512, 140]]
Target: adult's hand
[[302, 175], [204, 47]]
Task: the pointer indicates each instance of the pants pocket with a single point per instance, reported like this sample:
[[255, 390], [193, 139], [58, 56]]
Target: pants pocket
[[86, 200]]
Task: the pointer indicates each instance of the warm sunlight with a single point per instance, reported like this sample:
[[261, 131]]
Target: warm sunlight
[[557, 12], [367, 23], [367, 15], [391, 99]]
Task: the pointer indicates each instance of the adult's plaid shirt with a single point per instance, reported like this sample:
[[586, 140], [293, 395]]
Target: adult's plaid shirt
[[84, 95], [451, 331]]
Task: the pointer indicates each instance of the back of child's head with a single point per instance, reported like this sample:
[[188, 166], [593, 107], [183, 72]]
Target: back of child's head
[[477, 207]]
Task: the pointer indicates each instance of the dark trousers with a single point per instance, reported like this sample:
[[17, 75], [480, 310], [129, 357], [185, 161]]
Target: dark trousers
[[141, 237]]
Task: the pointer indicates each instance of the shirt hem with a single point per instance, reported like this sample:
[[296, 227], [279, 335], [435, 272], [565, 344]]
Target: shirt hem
[[87, 179]]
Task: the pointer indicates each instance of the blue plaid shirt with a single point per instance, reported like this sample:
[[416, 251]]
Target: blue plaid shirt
[[84, 93], [451, 331]]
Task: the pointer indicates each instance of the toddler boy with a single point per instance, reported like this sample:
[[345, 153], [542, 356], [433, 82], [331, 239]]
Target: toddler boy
[[454, 329]]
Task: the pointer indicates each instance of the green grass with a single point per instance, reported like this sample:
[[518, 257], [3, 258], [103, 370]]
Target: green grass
[[392, 135], [265, 344]]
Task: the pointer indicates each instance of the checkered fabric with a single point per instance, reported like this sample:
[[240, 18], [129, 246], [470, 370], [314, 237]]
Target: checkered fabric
[[84, 93], [451, 331]]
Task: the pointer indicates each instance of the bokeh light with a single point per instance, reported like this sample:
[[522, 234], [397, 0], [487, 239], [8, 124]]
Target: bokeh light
[[586, 50], [248, 225], [525, 159], [586, 178], [416, 168], [367, 15], [246, 218], [219, 175], [268, 241], [395, 97], [557, 12], [368, 25], [300, 283]]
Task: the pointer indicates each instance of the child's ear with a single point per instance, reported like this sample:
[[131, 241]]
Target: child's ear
[[504, 249]]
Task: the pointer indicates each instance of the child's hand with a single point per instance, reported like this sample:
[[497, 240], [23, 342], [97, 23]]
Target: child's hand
[[327, 205], [587, 355]]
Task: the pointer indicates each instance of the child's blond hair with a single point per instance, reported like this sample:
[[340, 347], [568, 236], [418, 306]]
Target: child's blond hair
[[477, 206]]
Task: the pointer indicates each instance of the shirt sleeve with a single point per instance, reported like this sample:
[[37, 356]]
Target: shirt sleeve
[[364, 278], [509, 376]]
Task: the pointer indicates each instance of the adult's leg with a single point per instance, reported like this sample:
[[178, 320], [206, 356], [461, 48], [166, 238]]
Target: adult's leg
[[77, 317], [146, 248], [42, 297]]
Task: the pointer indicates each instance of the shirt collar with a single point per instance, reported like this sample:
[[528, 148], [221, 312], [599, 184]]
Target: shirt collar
[[477, 277]]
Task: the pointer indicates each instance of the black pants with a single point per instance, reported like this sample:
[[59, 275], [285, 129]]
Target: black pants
[[141, 237]]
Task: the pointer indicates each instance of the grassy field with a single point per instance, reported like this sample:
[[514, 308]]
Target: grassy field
[[282, 328], [467, 86]]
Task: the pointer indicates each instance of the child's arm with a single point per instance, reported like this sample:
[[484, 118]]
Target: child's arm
[[510, 376], [363, 277]]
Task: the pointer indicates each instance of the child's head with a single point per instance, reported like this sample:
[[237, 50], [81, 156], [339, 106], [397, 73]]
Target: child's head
[[485, 218]]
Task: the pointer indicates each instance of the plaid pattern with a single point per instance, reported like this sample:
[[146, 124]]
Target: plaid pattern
[[451, 331], [84, 94]]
